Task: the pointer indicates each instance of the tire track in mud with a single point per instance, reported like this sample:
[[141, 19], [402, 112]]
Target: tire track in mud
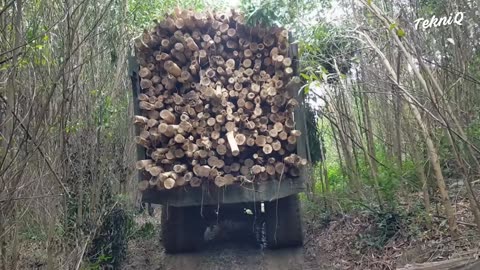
[[239, 250], [234, 255], [237, 256]]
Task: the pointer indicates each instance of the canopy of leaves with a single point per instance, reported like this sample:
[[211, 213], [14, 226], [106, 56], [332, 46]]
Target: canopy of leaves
[[321, 46], [279, 12], [142, 12]]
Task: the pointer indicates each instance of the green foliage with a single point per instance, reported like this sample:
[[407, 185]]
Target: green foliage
[[385, 226], [73, 127], [320, 46], [141, 13], [34, 233], [400, 32], [338, 180], [432, 7], [100, 262], [314, 212], [390, 179], [109, 245], [389, 182], [278, 12], [317, 150], [473, 129], [145, 231], [265, 12]]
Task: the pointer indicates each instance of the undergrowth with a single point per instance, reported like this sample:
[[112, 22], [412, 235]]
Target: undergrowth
[[385, 222]]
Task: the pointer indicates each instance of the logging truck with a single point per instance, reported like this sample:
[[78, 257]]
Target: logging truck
[[218, 126]]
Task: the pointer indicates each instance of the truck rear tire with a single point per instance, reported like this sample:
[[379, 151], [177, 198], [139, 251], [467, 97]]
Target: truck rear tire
[[182, 229], [284, 223]]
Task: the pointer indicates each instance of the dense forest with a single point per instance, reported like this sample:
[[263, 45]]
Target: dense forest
[[391, 101]]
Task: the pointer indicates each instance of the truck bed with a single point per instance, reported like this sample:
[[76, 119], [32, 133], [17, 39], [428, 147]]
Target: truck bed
[[236, 193], [210, 194]]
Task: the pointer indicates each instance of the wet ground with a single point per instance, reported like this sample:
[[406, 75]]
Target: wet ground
[[237, 256], [241, 252]]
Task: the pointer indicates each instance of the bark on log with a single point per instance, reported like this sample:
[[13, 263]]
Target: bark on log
[[168, 116], [172, 68]]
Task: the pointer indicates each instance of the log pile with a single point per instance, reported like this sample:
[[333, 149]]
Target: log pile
[[215, 102]]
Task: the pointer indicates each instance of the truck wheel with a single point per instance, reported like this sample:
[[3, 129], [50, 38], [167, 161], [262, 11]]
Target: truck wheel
[[284, 223], [182, 229]]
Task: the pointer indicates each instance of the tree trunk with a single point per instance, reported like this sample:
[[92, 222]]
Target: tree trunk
[[431, 149]]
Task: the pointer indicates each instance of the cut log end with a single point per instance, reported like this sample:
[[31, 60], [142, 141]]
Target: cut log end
[[169, 183], [216, 102]]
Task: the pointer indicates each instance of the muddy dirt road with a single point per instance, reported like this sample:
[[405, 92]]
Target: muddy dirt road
[[234, 255], [237, 256], [242, 253]]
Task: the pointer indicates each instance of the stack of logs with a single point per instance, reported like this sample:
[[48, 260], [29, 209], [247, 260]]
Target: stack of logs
[[216, 102]]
